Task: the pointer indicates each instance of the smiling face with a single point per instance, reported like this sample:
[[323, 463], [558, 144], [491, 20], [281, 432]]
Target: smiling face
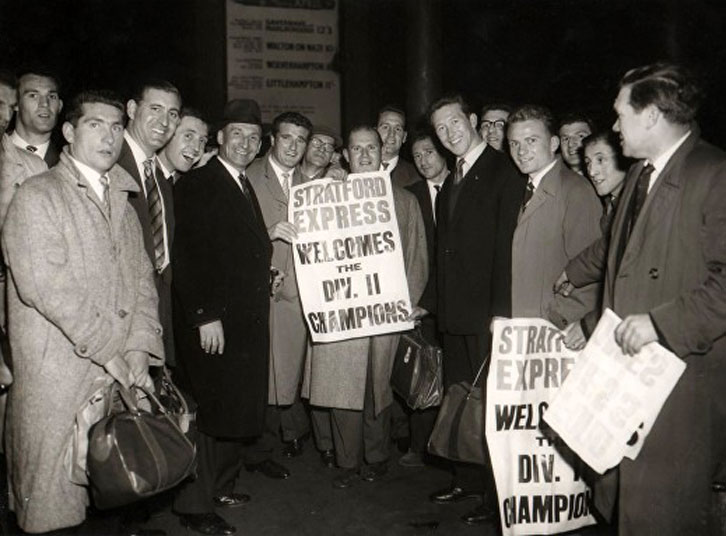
[[531, 146], [288, 145], [153, 120], [364, 151], [239, 144], [8, 101], [602, 168], [493, 124], [392, 130], [571, 136], [429, 162], [97, 138], [38, 105], [186, 147], [455, 130]]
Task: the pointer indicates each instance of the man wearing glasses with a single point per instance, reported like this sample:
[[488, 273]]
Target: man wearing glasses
[[493, 124]]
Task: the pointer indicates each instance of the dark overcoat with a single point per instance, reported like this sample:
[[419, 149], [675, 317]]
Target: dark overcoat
[[673, 268], [221, 265]]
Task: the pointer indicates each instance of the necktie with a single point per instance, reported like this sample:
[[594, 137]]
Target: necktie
[[528, 193], [459, 173], [636, 204], [104, 196], [156, 213], [608, 212], [437, 187], [31, 148], [385, 165], [286, 185]]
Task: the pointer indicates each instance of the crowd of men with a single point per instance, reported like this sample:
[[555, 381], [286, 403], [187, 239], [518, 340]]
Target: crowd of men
[[142, 241]]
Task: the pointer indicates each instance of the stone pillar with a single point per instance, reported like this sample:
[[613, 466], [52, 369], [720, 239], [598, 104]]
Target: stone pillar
[[423, 52]]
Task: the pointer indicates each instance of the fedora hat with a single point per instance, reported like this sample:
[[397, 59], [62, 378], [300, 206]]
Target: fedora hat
[[241, 111]]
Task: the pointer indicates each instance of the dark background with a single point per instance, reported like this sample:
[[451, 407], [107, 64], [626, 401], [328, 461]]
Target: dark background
[[567, 54]]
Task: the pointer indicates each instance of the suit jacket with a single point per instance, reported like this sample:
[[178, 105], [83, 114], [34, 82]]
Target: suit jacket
[[404, 174], [221, 263], [163, 280], [288, 334], [421, 190], [560, 220], [474, 245], [674, 269]]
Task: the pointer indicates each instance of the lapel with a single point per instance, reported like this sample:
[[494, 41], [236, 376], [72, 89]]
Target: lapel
[[548, 189], [272, 183], [476, 173], [248, 211]]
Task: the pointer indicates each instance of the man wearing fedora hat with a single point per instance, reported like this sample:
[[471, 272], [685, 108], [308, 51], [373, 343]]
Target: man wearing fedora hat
[[221, 264]]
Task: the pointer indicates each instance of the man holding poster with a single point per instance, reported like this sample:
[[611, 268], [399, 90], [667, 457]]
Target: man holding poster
[[353, 376], [664, 268]]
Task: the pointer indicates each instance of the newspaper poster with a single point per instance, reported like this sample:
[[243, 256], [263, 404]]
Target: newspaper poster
[[539, 491], [610, 400], [281, 53], [348, 257]]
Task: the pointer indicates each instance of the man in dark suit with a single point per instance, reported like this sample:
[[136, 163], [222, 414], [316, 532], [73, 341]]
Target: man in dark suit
[[431, 165], [38, 109], [478, 208], [222, 258], [665, 275], [391, 127], [154, 113]]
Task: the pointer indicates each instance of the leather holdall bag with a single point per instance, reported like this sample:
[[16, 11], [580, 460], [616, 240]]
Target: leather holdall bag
[[134, 453], [417, 375], [458, 433]]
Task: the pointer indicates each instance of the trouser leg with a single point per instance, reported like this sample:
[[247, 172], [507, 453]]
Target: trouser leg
[[322, 429], [294, 420], [376, 428]]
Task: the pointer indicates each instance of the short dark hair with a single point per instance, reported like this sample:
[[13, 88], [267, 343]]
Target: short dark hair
[[576, 117], [293, 118], [394, 109], [495, 106], [92, 96], [188, 111], [534, 112], [613, 141], [426, 133], [153, 83], [362, 128], [8, 79], [453, 98], [670, 87], [41, 71]]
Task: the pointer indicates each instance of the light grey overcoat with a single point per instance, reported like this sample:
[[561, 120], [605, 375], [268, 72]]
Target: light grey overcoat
[[80, 292], [335, 373]]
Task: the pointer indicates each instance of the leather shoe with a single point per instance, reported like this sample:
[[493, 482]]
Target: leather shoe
[[231, 500], [207, 524], [480, 514], [346, 478], [268, 468], [374, 471], [327, 457], [452, 494], [295, 447]]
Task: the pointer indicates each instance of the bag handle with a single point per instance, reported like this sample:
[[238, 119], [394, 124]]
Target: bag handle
[[478, 374], [130, 400], [166, 379]]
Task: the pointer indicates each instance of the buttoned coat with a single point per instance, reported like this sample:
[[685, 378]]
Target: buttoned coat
[[560, 220], [288, 334], [674, 269], [221, 260], [80, 293], [335, 373]]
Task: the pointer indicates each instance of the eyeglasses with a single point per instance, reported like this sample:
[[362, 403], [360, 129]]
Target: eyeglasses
[[318, 143], [498, 124]]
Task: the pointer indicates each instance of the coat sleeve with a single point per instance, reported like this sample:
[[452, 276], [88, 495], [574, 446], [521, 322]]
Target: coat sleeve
[[589, 266], [37, 255], [697, 317], [416, 254]]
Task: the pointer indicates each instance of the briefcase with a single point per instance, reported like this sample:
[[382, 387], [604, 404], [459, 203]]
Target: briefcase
[[458, 433], [133, 453], [417, 371]]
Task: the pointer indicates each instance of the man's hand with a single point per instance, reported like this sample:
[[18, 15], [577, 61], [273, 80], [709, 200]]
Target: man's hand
[[417, 314], [211, 337], [336, 173], [563, 285], [277, 278], [119, 370], [573, 337], [138, 363], [283, 230], [635, 332]]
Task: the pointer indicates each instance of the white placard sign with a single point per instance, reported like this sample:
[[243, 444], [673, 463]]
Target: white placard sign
[[348, 257], [539, 491], [611, 399]]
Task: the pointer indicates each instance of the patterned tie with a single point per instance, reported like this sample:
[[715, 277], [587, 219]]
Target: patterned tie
[[286, 184], [385, 165], [459, 173], [156, 213], [103, 179], [31, 148], [528, 193]]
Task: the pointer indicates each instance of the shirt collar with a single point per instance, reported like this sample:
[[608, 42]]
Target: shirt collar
[[18, 141], [278, 170], [166, 172], [660, 162], [392, 163], [232, 170], [537, 177], [472, 156], [139, 155]]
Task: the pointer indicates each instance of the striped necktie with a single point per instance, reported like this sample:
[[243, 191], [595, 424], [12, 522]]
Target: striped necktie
[[156, 213], [286, 184], [103, 179]]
